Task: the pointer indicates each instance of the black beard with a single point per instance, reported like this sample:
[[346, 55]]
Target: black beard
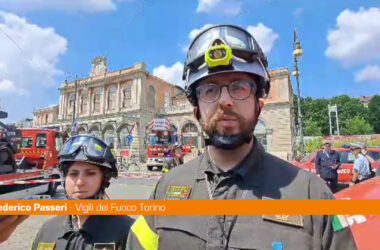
[[211, 127], [222, 137]]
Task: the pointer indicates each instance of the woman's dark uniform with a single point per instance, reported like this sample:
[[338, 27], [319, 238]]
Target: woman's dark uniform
[[98, 232]]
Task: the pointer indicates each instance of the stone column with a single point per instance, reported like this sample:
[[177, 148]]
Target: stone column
[[139, 100], [103, 106], [78, 104], [65, 103], [118, 97], [60, 106], [134, 92], [89, 102]]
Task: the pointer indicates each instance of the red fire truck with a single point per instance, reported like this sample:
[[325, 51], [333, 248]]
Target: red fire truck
[[161, 137], [37, 163]]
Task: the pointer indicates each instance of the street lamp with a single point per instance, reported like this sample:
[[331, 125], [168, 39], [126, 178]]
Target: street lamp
[[297, 53]]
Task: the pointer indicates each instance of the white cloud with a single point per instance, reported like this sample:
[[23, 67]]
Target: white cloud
[[9, 87], [194, 32], [172, 74], [28, 61], [28, 52], [297, 13], [264, 36], [67, 5], [356, 37], [369, 73], [226, 7]]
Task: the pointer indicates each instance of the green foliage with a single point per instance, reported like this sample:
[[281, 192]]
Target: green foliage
[[374, 113], [352, 115], [357, 126], [312, 128], [314, 144], [339, 144], [374, 143]]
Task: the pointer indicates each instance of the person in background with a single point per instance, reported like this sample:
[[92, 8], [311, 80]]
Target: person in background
[[178, 153], [370, 160], [327, 163], [87, 165], [361, 164]]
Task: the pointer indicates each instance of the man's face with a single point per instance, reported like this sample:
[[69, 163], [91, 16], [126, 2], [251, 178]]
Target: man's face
[[327, 146], [356, 151], [227, 116]]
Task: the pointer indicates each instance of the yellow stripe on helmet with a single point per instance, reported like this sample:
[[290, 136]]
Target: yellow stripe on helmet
[[147, 238]]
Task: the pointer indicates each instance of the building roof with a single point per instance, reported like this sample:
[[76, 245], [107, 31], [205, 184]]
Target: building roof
[[365, 98]]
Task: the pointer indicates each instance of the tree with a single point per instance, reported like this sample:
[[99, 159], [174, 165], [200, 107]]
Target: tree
[[374, 113], [348, 108], [312, 128], [316, 118], [314, 144], [313, 110], [357, 126]]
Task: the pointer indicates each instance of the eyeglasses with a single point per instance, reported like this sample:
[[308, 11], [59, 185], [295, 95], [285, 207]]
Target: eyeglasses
[[238, 90]]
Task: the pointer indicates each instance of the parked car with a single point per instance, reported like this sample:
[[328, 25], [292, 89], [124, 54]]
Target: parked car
[[365, 228], [347, 159]]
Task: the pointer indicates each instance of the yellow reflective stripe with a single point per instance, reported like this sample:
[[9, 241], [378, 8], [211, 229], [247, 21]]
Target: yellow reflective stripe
[[147, 238]]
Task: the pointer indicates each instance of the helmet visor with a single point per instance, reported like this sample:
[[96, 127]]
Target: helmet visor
[[95, 148], [233, 36]]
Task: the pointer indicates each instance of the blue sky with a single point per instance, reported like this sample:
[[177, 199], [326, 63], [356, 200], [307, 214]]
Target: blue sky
[[42, 42]]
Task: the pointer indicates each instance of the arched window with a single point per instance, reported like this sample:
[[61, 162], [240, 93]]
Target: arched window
[[189, 133], [94, 131], [261, 133], [71, 105], [151, 97], [127, 96], [111, 99], [83, 103], [109, 135], [123, 134], [81, 131], [96, 101]]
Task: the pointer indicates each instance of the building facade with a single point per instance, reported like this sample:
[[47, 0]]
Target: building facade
[[110, 105]]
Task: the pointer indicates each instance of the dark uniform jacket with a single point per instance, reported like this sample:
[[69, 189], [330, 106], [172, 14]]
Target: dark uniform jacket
[[259, 176], [98, 232], [325, 163]]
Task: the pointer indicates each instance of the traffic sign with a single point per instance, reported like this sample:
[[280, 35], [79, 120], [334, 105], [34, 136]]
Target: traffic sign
[[130, 138]]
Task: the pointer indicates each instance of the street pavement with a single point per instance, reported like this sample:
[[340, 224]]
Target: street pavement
[[131, 185]]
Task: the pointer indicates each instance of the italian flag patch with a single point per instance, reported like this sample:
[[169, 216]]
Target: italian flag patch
[[339, 222]]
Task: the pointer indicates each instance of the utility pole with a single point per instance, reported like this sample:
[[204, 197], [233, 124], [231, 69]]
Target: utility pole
[[297, 53], [333, 109]]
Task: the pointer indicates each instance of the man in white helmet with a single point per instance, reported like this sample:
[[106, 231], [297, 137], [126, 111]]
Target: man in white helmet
[[226, 75], [362, 169]]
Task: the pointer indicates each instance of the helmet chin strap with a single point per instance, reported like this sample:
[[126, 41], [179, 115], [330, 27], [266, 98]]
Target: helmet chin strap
[[228, 142]]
